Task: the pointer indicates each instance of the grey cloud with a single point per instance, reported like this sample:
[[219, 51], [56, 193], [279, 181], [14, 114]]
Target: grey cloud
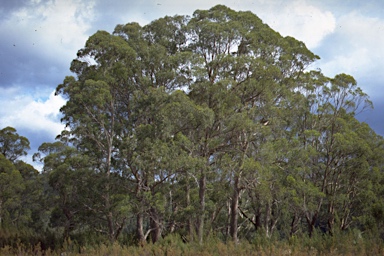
[[23, 60], [36, 138], [374, 117], [122, 12], [7, 7], [12, 4], [27, 65]]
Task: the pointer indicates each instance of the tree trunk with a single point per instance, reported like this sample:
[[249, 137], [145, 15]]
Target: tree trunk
[[234, 210], [294, 225], [201, 214], [1, 213], [258, 224], [140, 229], [111, 231], [331, 218], [155, 225], [311, 223], [267, 219], [69, 224], [189, 221]]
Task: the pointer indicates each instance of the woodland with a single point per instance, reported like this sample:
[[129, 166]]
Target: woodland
[[210, 129]]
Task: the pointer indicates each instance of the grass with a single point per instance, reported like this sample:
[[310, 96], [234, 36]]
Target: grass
[[346, 244]]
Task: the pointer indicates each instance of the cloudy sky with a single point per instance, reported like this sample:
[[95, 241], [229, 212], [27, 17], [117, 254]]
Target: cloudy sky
[[39, 39]]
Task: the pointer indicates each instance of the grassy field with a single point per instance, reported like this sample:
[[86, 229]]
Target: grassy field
[[172, 245], [219, 249]]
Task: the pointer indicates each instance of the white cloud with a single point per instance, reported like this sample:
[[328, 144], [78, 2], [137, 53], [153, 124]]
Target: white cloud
[[298, 19], [55, 29], [356, 48], [33, 115], [25, 112]]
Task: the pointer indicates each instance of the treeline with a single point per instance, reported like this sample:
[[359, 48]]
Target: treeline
[[205, 126]]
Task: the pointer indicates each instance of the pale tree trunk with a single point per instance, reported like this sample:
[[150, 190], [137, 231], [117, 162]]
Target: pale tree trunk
[[109, 214], [234, 213], [174, 211], [267, 219], [331, 219], [228, 205], [271, 217], [201, 214], [189, 221], [140, 229], [346, 221], [236, 190]]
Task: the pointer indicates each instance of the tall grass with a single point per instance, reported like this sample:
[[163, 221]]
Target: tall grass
[[351, 243]]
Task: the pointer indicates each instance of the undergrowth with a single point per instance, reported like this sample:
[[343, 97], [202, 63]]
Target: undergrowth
[[353, 243]]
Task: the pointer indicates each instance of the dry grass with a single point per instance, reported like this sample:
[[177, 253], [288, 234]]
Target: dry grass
[[347, 245]]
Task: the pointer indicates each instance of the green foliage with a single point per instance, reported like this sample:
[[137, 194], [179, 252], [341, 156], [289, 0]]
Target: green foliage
[[11, 187], [12, 145]]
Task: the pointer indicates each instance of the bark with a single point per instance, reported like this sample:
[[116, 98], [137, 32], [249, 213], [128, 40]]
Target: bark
[[69, 226], [109, 215], [189, 221], [120, 228], [1, 212], [155, 226], [294, 225], [311, 223], [267, 219], [258, 224], [331, 219], [140, 229], [234, 210], [111, 231], [201, 214], [236, 194]]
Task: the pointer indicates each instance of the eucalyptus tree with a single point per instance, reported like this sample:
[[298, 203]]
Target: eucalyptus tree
[[33, 211], [21, 186], [65, 168], [322, 134], [94, 114], [13, 145], [349, 179], [216, 108], [151, 155], [243, 70], [370, 210], [11, 187], [346, 148]]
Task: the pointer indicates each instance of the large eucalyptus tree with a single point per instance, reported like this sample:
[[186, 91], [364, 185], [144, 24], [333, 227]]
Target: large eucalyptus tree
[[188, 123]]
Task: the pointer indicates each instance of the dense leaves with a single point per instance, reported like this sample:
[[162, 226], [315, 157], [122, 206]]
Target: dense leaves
[[12, 145]]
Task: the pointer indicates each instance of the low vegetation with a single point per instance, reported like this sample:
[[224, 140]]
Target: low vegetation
[[346, 244]]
